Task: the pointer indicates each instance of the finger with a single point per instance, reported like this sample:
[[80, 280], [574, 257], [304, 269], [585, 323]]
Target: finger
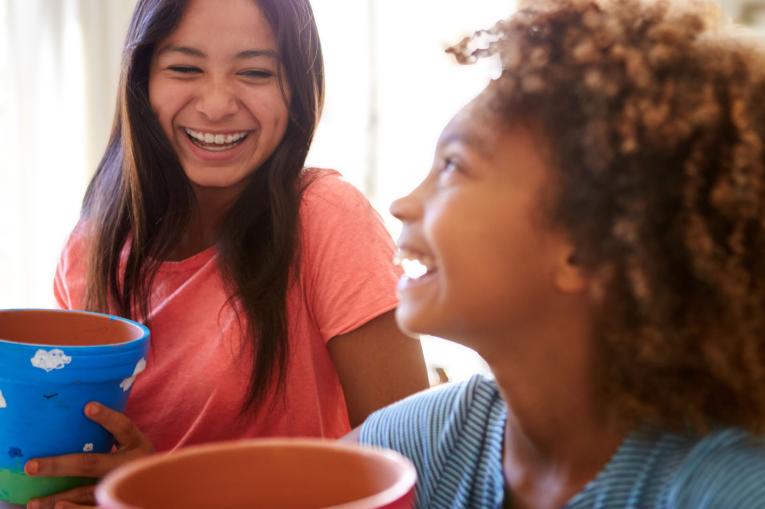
[[118, 424], [72, 465], [83, 496]]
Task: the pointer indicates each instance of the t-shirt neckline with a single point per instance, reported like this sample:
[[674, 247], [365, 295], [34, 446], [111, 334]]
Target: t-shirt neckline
[[193, 262]]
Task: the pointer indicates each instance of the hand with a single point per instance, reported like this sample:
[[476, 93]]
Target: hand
[[131, 444]]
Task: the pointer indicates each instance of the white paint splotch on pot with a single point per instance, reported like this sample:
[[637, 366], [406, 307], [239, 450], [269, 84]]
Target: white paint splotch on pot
[[127, 383], [50, 359], [87, 447], [3, 404]]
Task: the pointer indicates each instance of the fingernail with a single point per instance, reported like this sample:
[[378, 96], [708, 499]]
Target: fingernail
[[92, 409], [31, 468]]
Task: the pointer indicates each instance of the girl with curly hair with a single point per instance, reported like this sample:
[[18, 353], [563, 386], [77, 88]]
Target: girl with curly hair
[[594, 226]]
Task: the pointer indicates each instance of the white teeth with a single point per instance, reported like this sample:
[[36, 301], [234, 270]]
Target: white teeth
[[215, 139], [415, 265], [413, 269]]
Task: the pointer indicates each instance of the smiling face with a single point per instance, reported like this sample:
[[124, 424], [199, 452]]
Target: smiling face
[[214, 86], [478, 253]]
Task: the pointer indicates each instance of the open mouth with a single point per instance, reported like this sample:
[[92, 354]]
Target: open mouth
[[215, 142], [414, 265]]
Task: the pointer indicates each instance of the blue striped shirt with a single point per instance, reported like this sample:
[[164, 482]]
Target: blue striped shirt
[[454, 436]]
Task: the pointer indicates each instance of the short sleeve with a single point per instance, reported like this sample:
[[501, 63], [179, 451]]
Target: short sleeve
[[453, 435], [725, 470], [406, 425], [346, 256], [415, 426]]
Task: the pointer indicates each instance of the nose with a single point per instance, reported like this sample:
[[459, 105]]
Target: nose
[[407, 208], [216, 100]]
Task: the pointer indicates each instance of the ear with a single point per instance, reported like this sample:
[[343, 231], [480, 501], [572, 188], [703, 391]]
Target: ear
[[569, 276]]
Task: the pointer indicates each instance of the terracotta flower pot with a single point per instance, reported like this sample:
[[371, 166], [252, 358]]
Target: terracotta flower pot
[[264, 473], [52, 363]]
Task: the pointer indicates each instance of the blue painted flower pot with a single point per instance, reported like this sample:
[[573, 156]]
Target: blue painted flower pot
[[52, 363]]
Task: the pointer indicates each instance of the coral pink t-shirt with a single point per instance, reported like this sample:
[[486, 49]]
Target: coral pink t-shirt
[[197, 376]]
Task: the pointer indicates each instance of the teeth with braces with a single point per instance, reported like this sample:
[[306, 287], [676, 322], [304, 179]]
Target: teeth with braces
[[215, 139], [415, 266]]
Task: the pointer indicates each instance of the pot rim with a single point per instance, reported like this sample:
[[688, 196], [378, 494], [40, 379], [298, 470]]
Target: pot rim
[[105, 491]]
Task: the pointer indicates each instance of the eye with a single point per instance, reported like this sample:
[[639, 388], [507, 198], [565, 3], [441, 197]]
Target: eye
[[184, 69], [257, 74], [448, 171], [450, 166]]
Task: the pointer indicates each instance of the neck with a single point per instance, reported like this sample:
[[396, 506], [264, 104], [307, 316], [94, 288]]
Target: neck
[[556, 438], [204, 225]]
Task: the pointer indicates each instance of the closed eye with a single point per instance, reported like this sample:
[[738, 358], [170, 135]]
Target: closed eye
[[184, 69], [257, 74]]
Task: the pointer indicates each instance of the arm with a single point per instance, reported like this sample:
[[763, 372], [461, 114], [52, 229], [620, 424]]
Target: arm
[[377, 365]]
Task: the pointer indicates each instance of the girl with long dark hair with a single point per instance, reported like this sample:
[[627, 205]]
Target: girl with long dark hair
[[268, 288]]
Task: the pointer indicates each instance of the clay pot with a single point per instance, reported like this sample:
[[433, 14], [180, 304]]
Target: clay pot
[[52, 363], [264, 473]]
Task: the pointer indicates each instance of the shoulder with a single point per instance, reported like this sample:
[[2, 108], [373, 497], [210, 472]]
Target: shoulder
[[69, 280], [75, 251], [724, 469], [450, 405], [453, 435], [328, 189], [336, 219], [78, 240]]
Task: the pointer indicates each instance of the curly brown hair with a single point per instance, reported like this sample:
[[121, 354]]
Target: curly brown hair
[[655, 121]]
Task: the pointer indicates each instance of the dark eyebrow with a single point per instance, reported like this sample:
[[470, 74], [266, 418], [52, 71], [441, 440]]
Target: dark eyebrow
[[193, 52], [186, 50], [253, 53]]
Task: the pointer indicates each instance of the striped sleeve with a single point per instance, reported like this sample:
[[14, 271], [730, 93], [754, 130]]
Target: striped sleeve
[[411, 426], [453, 435]]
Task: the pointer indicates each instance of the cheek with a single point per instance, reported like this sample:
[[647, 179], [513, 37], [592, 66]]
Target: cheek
[[155, 95], [164, 101], [269, 108]]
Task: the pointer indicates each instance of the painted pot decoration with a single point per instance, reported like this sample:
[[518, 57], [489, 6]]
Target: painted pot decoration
[[284, 473], [52, 363]]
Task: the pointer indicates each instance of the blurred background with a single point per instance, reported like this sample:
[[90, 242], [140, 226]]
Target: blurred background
[[390, 90]]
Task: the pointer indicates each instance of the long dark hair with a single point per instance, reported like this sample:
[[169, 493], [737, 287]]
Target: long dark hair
[[139, 201]]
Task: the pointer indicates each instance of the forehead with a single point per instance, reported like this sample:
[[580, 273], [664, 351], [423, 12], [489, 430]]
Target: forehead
[[476, 124], [224, 24], [516, 147]]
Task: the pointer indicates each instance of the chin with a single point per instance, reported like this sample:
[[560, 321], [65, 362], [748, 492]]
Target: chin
[[414, 323], [214, 182], [405, 322]]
